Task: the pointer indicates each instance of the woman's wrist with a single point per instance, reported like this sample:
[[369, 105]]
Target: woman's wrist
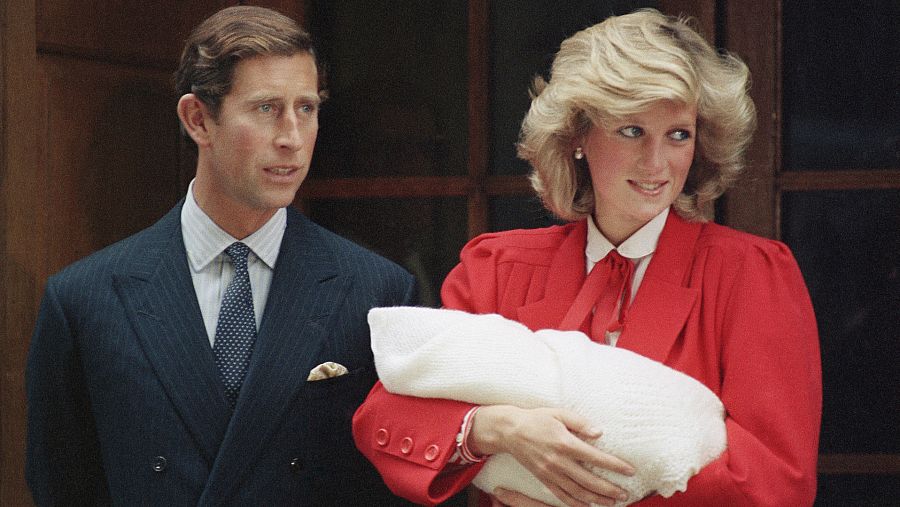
[[465, 455], [486, 435]]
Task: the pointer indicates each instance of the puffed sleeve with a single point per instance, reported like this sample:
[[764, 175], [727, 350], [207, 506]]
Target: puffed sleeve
[[771, 385], [411, 440]]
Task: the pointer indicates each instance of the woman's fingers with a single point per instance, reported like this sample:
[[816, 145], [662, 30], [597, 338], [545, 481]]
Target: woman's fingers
[[569, 481], [590, 456], [586, 453], [577, 424], [604, 491], [547, 443], [574, 494], [557, 458]]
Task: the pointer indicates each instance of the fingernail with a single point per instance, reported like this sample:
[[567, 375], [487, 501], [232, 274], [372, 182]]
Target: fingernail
[[623, 496]]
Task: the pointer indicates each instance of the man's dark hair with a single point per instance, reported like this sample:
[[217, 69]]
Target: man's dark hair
[[233, 34]]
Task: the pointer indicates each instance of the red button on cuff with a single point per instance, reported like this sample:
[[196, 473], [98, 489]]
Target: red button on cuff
[[431, 453], [406, 445], [382, 437]]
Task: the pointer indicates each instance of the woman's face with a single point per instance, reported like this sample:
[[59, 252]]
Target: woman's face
[[638, 166]]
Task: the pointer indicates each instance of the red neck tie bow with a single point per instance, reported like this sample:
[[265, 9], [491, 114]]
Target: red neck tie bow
[[606, 290]]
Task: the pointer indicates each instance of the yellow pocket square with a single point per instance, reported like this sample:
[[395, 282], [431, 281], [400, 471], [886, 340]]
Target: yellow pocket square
[[326, 370]]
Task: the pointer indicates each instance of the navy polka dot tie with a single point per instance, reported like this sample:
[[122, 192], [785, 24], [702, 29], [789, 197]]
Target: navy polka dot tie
[[236, 329]]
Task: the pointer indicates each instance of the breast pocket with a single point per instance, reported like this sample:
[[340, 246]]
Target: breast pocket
[[327, 406], [348, 384], [321, 418]]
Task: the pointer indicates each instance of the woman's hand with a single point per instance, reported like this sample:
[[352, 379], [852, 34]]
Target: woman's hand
[[550, 444]]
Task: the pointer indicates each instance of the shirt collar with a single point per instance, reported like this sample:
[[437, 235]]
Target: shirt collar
[[640, 244], [204, 240]]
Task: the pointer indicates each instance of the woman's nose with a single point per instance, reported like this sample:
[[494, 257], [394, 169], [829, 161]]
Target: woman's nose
[[654, 156]]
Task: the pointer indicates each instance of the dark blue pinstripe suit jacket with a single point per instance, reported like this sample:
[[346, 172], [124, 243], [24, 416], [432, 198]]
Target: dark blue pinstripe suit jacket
[[125, 405]]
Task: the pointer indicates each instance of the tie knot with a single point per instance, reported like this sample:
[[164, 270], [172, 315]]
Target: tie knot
[[238, 253], [616, 259]]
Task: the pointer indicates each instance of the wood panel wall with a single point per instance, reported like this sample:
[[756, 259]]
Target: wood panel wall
[[20, 185]]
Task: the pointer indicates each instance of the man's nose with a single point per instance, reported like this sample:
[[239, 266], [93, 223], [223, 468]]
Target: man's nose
[[290, 133]]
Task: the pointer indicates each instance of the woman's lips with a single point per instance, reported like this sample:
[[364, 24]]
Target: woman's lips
[[648, 187]]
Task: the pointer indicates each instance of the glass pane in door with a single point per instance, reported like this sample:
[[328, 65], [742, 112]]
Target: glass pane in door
[[519, 212], [848, 246], [525, 35], [857, 490], [841, 84], [422, 235], [397, 81]]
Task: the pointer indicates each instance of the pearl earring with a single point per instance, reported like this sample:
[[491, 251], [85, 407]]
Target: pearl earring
[[579, 153]]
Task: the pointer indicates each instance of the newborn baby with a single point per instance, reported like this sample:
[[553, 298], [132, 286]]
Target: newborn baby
[[666, 424]]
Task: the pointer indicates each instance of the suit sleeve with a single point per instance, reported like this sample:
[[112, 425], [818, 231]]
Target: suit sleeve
[[64, 465], [385, 421], [770, 386]]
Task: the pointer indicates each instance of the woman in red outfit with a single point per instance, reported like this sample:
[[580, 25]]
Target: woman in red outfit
[[641, 126]]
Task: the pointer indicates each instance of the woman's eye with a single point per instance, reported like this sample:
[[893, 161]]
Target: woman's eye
[[631, 131], [680, 135]]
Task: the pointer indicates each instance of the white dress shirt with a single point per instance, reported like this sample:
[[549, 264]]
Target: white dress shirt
[[639, 247], [211, 268]]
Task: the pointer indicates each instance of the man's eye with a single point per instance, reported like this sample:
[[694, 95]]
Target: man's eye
[[266, 108], [631, 131], [308, 108]]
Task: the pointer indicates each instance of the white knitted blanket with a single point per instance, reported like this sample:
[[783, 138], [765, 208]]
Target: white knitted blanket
[[663, 422]]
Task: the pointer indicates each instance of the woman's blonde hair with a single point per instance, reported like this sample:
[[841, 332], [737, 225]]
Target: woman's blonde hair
[[618, 68]]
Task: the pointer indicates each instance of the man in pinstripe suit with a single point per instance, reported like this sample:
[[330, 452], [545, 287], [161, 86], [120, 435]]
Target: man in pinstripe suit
[[126, 405]]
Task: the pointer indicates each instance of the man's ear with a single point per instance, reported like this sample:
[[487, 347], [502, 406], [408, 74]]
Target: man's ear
[[195, 118]]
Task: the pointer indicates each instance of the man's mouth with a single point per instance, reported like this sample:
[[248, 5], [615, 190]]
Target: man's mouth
[[281, 170]]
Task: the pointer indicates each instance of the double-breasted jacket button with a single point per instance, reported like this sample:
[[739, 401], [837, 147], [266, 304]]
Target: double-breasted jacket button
[[382, 437], [296, 465], [160, 463], [431, 452], [406, 445]]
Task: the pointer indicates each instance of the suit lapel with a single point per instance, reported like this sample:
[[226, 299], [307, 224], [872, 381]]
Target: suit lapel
[[307, 287], [566, 275], [158, 294], [663, 303]]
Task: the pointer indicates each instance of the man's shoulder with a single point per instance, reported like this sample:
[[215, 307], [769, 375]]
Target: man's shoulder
[[348, 255], [102, 263]]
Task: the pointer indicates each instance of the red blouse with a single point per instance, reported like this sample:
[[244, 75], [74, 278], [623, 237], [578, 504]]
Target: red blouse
[[727, 308]]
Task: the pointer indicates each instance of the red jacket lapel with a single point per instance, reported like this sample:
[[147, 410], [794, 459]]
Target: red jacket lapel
[[663, 303], [566, 274]]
